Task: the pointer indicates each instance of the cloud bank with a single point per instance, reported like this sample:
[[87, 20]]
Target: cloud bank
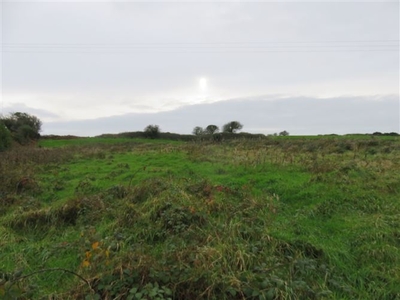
[[263, 114]]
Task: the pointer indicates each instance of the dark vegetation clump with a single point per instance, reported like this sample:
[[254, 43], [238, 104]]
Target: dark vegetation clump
[[21, 127], [5, 138], [42, 219], [147, 189], [385, 133]]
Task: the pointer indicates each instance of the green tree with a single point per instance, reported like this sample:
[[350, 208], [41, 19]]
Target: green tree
[[198, 130], [232, 127], [284, 133], [152, 131], [23, 127], [211, 129], [5, 137]]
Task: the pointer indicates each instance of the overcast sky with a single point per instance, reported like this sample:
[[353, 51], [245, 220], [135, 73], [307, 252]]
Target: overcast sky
[[93, 67]]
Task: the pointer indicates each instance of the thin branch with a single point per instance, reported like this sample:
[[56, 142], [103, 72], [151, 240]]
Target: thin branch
[[50, 270]]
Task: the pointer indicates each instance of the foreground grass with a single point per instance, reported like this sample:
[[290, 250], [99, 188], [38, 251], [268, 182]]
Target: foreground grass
[[267, 219]]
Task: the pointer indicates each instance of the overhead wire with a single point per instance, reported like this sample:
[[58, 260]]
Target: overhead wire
[[210, 47]]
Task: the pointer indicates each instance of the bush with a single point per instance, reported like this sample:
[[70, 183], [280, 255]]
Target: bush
[[5, 138], [198, 130], [211, 129], [152, 131], [232, 127], [22, 126], [283, 133]]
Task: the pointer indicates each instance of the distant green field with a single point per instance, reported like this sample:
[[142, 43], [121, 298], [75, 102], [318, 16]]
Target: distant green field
[[49, 143], [342, 137], [274, 218], [53, 143]]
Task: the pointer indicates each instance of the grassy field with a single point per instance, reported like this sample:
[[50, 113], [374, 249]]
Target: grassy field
[[272, 218], [93, 141]]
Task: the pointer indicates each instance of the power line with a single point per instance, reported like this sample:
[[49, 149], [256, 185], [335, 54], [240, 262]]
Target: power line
[[194, 52], [206, 47], [201, 51], [224, 42], [195, 47]]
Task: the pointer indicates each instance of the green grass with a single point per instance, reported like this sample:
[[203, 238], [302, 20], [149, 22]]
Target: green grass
[[280, 218], [49, 143]]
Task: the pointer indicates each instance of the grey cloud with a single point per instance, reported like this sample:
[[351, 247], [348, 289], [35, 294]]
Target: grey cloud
[[301, 115], [40, 113]]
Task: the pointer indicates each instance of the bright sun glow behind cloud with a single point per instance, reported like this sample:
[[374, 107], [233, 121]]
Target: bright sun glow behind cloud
[[203, 84]]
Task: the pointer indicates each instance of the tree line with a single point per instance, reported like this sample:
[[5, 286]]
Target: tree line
[[23, 128], [230, 127], [153, 131]]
